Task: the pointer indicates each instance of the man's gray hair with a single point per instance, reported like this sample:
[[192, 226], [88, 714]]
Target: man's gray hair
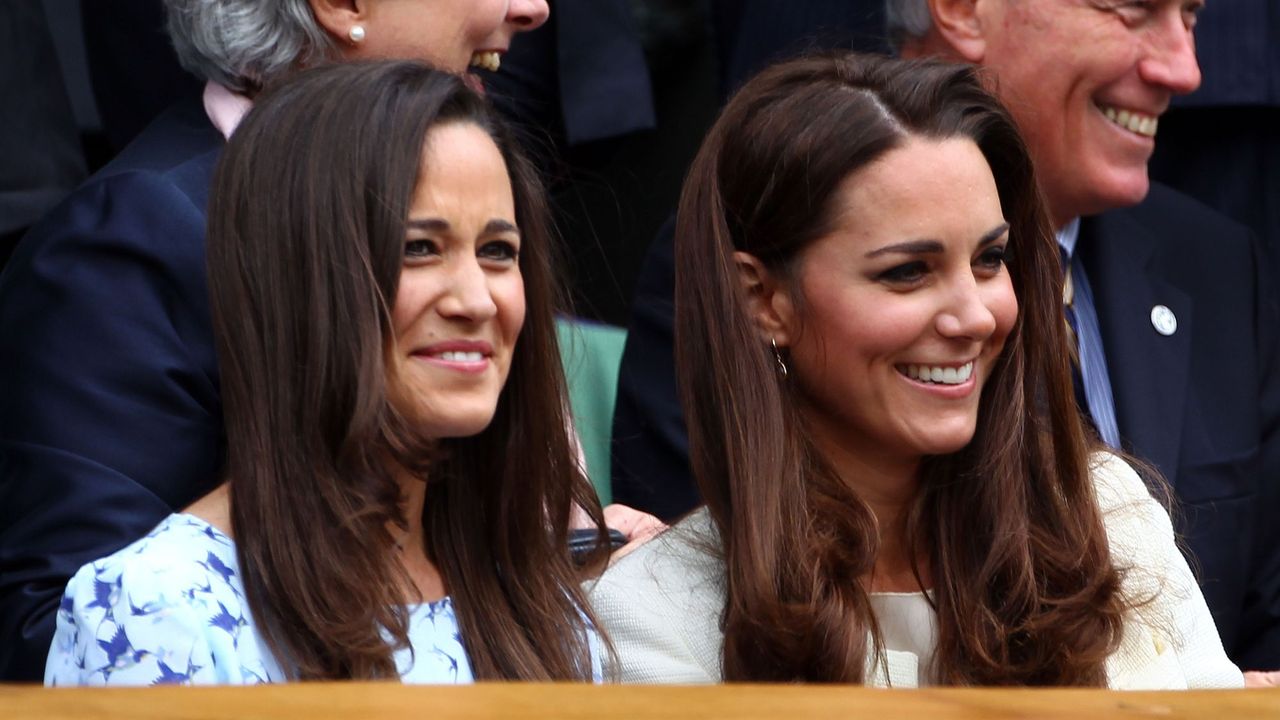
[[244, 44], [906, 20]]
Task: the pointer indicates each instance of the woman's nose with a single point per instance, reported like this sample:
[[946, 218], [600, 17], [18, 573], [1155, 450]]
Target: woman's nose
[[468, 295], [966, 313]]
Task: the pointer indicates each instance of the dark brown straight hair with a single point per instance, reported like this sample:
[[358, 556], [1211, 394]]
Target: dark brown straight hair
[[307, 224], [1024, 587]]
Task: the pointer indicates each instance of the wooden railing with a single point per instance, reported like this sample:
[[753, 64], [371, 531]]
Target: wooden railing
[[376, 701]]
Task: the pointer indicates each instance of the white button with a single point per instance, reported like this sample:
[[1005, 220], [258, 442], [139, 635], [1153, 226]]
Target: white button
[[1163, 320]]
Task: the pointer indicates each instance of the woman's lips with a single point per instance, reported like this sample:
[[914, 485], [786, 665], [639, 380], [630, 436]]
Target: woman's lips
[[461, 355], [940, 374], [948, 381]]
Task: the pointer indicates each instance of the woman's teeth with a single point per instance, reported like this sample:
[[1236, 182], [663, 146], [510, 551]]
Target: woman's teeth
[[486, 60], [468, 357], [1134, 122], [940, 375]]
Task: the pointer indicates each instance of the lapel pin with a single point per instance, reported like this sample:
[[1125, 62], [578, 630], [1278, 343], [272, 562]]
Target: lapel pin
[[1163, 320]]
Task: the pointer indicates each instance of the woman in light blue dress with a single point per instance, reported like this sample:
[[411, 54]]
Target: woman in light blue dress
[[400, 472]]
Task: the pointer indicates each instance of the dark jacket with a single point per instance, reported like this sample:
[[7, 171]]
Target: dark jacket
[[109, 409]]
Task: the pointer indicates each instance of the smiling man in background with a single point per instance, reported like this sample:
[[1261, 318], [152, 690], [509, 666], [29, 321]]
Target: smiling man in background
[[1170, 302]]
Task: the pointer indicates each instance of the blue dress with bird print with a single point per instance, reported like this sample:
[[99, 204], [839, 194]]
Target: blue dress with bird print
[[171, 608]]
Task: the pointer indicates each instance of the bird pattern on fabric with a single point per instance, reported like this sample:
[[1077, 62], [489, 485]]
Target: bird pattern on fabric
[[170, 609]]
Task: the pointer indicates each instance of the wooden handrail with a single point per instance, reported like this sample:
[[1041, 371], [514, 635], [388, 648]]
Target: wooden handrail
[[378, 701]]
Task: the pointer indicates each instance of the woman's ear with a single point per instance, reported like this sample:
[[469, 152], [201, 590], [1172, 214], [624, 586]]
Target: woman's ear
[[338, 17], [768, 299]]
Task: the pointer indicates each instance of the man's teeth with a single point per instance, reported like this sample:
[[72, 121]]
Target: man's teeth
[[489, 60], [1132, 121], [458, 356], [940, 375]]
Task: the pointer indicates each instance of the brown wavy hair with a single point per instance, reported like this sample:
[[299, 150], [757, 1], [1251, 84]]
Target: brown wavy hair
[[307, 222], [1024, 587]]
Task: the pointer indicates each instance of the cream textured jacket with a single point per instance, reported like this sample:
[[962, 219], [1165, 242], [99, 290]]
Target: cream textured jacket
[[661, 605]]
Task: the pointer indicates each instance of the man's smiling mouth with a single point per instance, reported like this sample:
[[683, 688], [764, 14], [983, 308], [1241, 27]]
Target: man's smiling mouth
[[1131, 120]]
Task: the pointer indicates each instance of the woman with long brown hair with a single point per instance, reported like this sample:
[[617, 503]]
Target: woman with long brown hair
[[400, 471], [110, 420], [877, 385]]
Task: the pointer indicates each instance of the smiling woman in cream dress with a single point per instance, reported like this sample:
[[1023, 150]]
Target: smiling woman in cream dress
[[877, 383]]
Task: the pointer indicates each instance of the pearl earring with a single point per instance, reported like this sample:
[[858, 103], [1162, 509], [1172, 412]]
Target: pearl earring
[[356, 33]]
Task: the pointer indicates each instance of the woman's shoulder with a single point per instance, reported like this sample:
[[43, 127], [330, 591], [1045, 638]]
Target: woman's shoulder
[[681, 559], [1139, 531], [165, 609], [1116, 482], [660, 606], [1169, 640], [1138, 526], [182, 548]]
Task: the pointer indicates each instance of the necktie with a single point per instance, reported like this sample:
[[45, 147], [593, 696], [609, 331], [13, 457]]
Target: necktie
[[1073, 331], [1088, 365]]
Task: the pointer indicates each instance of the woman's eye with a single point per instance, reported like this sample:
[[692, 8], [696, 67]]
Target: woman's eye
[[992, 259], [415, 249], [498, 250], [904, 274]]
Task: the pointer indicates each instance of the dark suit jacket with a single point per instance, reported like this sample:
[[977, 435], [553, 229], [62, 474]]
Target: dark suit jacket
[[582, 75], [1202, 405], [39, 142], [109, 408]]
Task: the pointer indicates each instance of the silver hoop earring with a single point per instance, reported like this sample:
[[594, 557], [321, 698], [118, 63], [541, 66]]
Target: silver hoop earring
[[777, 356], [356, 33]]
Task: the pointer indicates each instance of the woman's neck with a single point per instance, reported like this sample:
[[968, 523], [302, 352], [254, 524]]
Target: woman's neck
[[411, 542], [215, 509], [888, 485]]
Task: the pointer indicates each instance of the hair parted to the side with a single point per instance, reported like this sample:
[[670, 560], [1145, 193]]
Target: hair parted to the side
[[307, 222], [1024, 587]]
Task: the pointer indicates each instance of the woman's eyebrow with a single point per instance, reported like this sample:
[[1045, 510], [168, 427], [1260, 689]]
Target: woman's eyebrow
[[994, 234], [910, 247], [497, 227], [927, 247], [432, 224]]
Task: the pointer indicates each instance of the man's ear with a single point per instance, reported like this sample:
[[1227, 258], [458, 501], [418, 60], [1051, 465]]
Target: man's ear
[[959, 24], [337, 17], [768, 300]]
